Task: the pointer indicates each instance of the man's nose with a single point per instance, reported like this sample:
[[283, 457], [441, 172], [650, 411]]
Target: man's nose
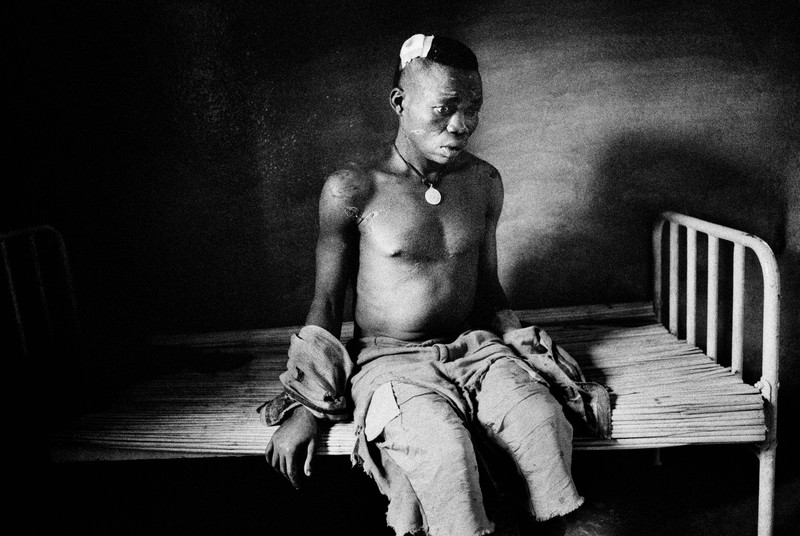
[[458, 124]]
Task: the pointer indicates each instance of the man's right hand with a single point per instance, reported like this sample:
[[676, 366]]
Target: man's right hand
[[293, 445]]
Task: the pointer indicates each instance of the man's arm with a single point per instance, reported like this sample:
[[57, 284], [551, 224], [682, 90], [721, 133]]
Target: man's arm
[[336, 257], [340, 203], [490, 295]]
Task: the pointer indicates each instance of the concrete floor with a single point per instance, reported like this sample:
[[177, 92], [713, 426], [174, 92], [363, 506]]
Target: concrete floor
[[696, 491]]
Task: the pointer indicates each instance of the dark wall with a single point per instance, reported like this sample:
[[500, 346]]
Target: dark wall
[[180, 145]]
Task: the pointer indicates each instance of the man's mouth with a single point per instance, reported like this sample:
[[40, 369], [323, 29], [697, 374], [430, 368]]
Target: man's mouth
[[452, 150]]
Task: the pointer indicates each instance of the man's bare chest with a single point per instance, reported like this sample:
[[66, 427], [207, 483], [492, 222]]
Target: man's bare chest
[[400, 223]]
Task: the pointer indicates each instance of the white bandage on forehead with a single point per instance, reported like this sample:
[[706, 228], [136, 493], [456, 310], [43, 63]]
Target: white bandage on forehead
[[416, 46]]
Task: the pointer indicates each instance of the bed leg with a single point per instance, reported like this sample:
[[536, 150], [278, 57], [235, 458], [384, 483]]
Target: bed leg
[[766, 490], [657, 458]]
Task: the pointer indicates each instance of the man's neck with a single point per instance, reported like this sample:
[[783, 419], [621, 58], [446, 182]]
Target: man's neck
[[409, 156]]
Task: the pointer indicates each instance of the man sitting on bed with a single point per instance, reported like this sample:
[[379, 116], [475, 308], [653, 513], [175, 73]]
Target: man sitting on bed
[[430, 377]]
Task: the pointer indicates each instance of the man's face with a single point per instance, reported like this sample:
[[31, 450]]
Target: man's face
[[440, 109]]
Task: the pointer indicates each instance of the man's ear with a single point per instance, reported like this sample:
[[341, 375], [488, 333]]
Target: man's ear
[[396, 98]]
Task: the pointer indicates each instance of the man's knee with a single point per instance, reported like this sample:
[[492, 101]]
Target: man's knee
[[428, 427], [540, 409], [439, 439], [521, 412], [509, 392]]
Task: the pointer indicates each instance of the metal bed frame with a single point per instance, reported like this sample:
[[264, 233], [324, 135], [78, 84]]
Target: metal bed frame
[[220, 407], [768, 384]]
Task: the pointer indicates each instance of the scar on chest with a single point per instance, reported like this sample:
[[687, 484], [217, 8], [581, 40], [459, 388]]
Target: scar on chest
[[354, 213]]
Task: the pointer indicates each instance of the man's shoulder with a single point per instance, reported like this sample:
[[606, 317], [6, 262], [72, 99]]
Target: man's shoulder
[[478, 166], [485, 179], [483, 175], [350, 184]]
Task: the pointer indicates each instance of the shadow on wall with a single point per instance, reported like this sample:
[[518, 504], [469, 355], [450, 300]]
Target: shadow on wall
[[602, 248], [641, 174], [601, 245]]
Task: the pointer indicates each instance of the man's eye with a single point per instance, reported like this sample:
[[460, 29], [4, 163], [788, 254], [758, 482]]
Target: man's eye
[[444, 110]]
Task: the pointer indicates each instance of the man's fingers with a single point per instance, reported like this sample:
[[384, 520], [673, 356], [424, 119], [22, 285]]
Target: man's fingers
[[275, 460], [291, 471], [312, 445], [291, 450], [283, 464], [282, 469]]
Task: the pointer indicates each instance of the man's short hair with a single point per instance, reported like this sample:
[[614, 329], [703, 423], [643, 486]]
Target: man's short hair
[[445, 51]]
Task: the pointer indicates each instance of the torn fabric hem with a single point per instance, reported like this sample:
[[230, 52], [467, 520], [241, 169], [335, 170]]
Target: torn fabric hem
[[559, 513]]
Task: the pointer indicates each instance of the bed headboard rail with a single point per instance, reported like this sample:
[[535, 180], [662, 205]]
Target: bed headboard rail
[[36, 291], [771, 299]]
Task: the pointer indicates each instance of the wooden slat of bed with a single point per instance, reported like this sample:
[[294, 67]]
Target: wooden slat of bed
[[664, 393]]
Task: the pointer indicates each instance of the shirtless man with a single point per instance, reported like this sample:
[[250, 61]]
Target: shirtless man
[[415, 231]]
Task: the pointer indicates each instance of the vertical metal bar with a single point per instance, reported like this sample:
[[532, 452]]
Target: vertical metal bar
[[658, 232], [74, 325], [737, 326], [713, 297], [691, 286], [14, 303], [48, 320], [766, 491], [771, 320], [769, 380], [673, 277]]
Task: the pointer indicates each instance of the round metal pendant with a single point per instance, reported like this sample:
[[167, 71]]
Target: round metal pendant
[[433, 196]]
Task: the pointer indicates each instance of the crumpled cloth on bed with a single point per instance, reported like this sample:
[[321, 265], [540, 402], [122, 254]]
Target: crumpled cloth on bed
[[587, 403], [317, 377], [319, 370]]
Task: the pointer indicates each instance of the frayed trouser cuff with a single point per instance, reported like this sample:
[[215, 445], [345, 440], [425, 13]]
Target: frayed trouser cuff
[[561, 511]]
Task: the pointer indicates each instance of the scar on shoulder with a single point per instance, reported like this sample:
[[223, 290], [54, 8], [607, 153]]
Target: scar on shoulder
[[346, 184]]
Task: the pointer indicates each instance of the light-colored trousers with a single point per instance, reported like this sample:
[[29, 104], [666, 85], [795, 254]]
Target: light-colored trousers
[[434, 402]]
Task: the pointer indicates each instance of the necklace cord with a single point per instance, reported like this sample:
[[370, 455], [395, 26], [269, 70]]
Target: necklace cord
[[423, 178]]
